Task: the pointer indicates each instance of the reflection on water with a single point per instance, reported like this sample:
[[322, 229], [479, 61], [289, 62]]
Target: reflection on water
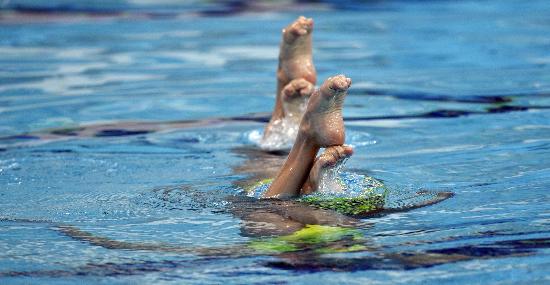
[[128, 120]]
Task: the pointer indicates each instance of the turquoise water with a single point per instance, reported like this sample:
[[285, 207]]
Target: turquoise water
[[446, 96]]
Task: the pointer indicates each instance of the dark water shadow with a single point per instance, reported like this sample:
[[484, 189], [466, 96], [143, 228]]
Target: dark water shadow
[[414, 260], [309, 261]]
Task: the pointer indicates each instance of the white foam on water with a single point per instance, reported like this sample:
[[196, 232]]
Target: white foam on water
[[282, 132], [330, 183], [159, 34], [67, 53], [282, 135], [218, 57], [249, 52], [75, 68], [122, 58], [359, 139], [334, 182], [205, 58], [67, 85]]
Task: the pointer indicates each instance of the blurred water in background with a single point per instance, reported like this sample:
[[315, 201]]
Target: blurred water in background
[[447, 95]]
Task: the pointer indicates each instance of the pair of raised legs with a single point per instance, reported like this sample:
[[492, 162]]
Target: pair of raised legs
[[320, 125]]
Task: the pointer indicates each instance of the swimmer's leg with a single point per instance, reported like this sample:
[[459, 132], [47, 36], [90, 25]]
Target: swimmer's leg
[[322, 126], [295, 62], [330, 158]]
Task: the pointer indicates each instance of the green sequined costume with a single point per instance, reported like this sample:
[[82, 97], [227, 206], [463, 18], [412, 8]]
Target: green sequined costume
[[318, 238], [371, 199]]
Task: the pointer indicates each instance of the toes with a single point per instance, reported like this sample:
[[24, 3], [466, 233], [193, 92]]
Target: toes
[[301, 26], [299, 84], [289, 90], [307, 91], [306, 23], [300, 32], [327, 159], [297, 31], [332, 155], [330, 160], [335, 85], [335, 155], [298, 87], [339, 83], [339, 152], [347, 150], [305, 87]]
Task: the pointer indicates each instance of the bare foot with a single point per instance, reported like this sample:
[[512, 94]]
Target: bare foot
[[297, 33], [295, 63], [322, 120], [322, 126], [295, 55], [331, 157], [295, 96]]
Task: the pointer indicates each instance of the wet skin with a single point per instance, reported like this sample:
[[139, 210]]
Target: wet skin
[[296, 75], [321, 126]]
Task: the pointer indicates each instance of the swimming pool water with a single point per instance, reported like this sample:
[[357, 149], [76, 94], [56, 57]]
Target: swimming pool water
[[124, 119]]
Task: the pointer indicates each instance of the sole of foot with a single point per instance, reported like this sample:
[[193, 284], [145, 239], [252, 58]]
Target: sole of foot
[[322, 122]]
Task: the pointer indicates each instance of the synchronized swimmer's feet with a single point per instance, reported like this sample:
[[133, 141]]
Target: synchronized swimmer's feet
[[300, 27], [296, 77], [296, 71], [322, 125], [322, 122], [331, 157], [318, 125]]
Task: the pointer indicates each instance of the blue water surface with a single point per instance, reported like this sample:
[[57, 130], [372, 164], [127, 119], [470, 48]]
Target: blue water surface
[[121, 118]]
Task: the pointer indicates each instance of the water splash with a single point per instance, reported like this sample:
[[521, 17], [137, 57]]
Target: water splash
[[281, 136], [258, 189], [9, 164], [330, 184], [334, 183]]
